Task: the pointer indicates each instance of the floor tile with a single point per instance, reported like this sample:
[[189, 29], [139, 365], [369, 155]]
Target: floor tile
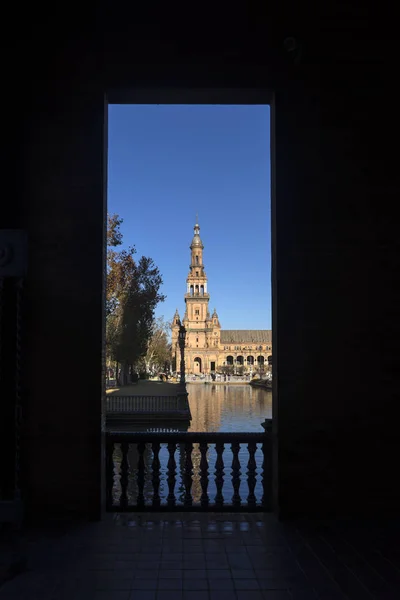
[[304, 594], [171, 564], [220, 584], [144, 584], [274, 583], [214, 546], [223, 595], [246, 584], [195, 584], [239, 561], [194, 573], [170, 574], [112, 595], [243, 573], [198, 549], [169, 595], [218, 563], [212, 553], [148, 566], [281, 595], [198, 595], [249, 595], [113, 583], [195, 564], [235, 549], [194, 555], [170, 584], [219, 574], [194, 561], [145, 573], [171, 556]]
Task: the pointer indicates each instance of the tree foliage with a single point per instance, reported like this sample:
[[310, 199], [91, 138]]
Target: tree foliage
[[227, 369], [159, 351], [132, 294], [114, 235]]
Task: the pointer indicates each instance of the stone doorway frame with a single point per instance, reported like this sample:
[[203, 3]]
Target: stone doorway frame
[[223, 96]]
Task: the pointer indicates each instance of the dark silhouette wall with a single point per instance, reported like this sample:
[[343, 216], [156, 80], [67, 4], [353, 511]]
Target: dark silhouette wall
[[335, 305]]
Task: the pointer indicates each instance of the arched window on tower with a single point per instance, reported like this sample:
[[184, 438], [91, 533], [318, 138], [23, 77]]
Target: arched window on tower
[[202, 290], [197, 260], [191, 290], [196, 290]]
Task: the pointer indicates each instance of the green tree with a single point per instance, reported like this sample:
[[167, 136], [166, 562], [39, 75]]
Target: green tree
[[133, 292], [159, 352]]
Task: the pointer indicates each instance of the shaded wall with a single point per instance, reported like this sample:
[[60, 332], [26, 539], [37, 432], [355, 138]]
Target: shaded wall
[[63, 211], [336, 321]]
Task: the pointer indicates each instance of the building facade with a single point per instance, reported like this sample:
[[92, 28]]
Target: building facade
[[210, 349]]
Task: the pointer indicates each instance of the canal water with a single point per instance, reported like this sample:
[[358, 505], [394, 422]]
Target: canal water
[[214, 408], [228, 407]]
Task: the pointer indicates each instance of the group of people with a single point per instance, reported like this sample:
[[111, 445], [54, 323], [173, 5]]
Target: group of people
[[222, 377]]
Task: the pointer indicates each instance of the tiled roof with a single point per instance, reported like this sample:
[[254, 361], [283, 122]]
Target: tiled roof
[[235, 336]]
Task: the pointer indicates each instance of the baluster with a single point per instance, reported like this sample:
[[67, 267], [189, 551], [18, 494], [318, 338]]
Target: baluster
[[156, 474], [219, 474], [251, 474], [141, 474], [188, 475], [267, 474], [204, 474], [171, 479], [123, 500], [109, 473], [236, 499]]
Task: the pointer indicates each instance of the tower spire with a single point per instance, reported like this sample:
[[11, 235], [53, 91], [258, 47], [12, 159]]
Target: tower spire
[[196, 241]]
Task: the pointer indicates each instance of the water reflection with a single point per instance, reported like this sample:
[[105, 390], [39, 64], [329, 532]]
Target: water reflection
[[228, 407], [214, 408]]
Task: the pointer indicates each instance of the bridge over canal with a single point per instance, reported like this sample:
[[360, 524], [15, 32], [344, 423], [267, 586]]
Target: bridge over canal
[[148, 404]]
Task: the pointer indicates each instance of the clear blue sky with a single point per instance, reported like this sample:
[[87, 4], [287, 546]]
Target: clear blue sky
[[167, 163]]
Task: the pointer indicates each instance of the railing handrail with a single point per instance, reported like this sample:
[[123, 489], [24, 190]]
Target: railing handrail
[[186, 436], [121, 477], [141, 396], [151, 405]]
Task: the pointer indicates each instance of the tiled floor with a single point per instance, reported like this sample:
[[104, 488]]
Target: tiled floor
[[210, 557]]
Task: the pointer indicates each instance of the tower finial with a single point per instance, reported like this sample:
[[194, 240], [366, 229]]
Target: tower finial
[[197, 218]]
